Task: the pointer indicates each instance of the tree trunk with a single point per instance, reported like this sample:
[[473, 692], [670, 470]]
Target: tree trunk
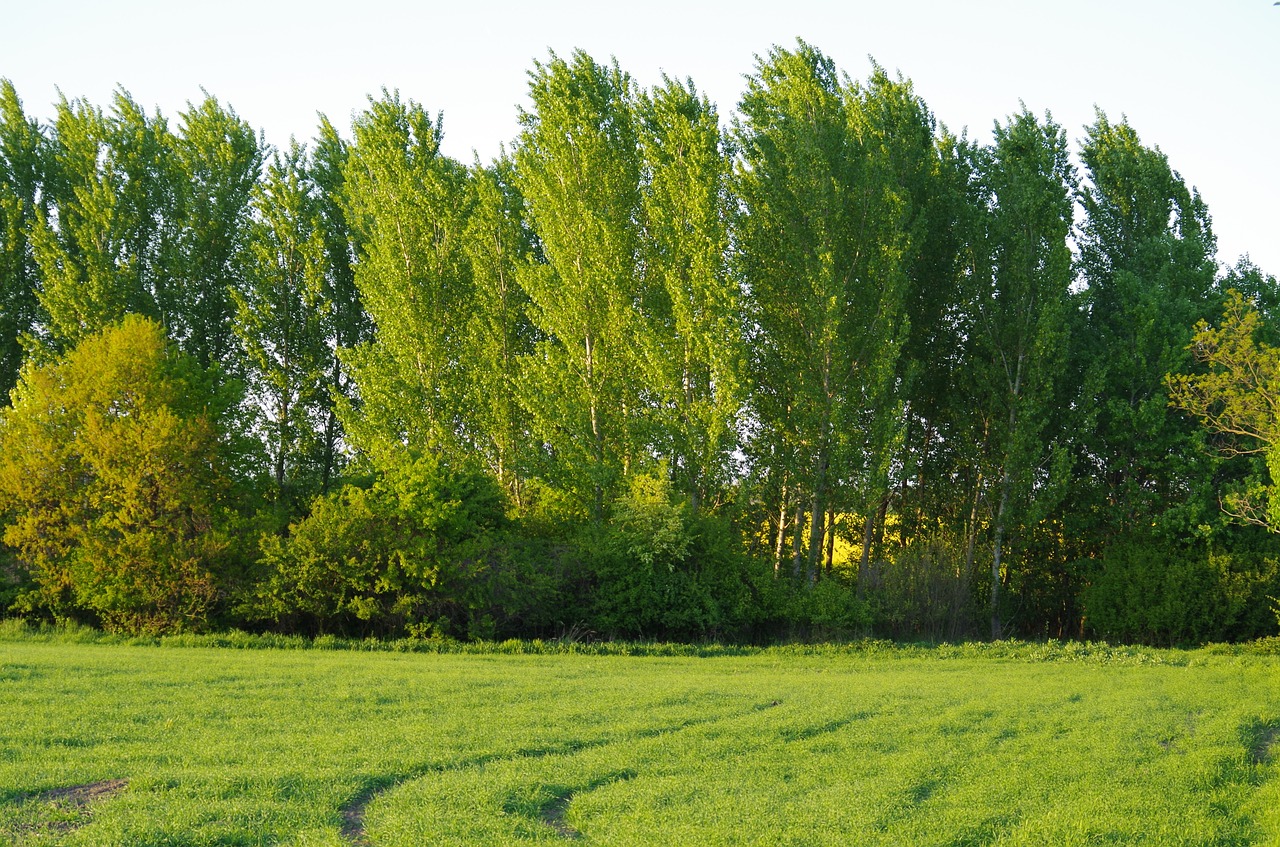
[[996, 555], [818, 514], [831, 539], [797, 540], [780, 539]]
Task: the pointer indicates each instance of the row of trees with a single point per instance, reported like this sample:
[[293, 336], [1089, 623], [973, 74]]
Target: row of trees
[[830, 367]]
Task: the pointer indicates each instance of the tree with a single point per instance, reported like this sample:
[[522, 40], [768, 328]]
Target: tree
[[23, 149], [820, 247], [102, 247], [217, 161], [113, 483], [500, 335], [279, 320], [345, 322], [1147, 260], [408, 204], [1021, 327], [578, 170], [690, 299], [1237, 397]]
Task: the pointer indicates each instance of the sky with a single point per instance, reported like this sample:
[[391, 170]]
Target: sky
[[1199, 79]]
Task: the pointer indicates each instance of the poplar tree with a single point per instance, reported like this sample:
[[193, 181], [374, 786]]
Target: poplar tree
[[345, 323], [408, 204], [101, 250], [1147, 259], [820, 247], [1021, 329], [23, 149], [500, 336], [690, 299], [218, 159], [578, 169], [280, 310]]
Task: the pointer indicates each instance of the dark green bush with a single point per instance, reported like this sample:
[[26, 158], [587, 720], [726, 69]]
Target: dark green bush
[[1160, 593]]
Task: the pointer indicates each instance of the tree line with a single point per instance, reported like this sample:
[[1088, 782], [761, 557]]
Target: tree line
[[820, 367]]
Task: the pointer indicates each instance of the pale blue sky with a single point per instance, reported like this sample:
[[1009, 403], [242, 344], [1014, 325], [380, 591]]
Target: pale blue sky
[[1199, 79]]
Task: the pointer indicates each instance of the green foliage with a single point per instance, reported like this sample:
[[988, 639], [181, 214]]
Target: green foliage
[[694, 360], [23, 161], [217, 160], [1147, 262], [578, 169], [500, 334], [1235, 398], [102, 248], [831, 370], [113, 482], [425, 548], [408, 205], [1162, 593], [280, 316], [820, 245]]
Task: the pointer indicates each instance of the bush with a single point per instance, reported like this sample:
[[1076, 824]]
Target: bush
[[925, 592], [830, 609], [1159, 593], [656, 569], [426, 549]]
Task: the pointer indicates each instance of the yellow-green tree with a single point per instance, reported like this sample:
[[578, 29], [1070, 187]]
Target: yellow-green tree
[[1237, 397], [112, 485]]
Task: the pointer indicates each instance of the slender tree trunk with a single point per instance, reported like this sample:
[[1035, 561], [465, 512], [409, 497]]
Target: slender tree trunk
[[971, 532], [797, 540], [780, 539], [597, 436], [818, 513], [864, 562], [1001, 510], [996, 556], [831, 539]]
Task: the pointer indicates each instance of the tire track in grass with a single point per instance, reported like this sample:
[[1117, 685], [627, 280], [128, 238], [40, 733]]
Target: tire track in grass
[[353, 811], [553, 812]]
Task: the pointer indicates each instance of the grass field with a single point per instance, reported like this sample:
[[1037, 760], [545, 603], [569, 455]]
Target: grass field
[[1018, 745]]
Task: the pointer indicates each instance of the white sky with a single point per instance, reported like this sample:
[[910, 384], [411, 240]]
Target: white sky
[[1201, 80]]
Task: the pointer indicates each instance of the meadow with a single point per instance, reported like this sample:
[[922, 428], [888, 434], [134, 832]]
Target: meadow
[[867, 744]]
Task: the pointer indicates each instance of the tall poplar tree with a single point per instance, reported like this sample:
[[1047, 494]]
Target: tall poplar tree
[[1021, 329], [820, 247], [500, 335], [578, 169], [218, 159], [1147, 256], [102, 251], [345, 323], [22, 166], [279, 319], [408, 204], [691, 300]]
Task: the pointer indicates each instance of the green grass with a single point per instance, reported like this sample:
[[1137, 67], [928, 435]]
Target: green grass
[[861, 745]]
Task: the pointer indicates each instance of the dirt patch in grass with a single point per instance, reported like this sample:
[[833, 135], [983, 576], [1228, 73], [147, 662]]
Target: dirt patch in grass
[[84, 795], [553, 814], [60, 810], [1264, 744]]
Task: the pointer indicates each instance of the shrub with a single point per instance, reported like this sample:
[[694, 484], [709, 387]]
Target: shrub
[[1160, 593], [425, 549]]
